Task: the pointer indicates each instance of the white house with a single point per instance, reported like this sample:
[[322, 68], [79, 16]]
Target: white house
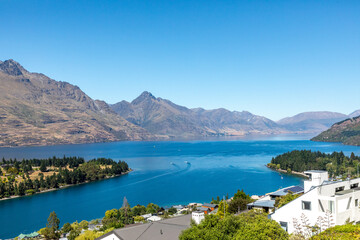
[[322, 198], [198, 216]]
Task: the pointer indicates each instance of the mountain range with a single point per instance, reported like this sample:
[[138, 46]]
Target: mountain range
[[37, 110], [166, 119]]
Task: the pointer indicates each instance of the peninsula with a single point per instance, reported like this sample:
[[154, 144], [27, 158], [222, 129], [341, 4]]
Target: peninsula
[[31, 176]]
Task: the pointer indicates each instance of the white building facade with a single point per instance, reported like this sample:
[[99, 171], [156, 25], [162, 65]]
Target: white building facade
[[334, 202], [198, 216]]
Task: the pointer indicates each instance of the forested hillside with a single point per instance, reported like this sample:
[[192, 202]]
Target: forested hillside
[[336, 163], [347, 132]]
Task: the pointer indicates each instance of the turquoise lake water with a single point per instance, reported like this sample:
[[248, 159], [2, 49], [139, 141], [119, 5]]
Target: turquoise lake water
[[216, 168]]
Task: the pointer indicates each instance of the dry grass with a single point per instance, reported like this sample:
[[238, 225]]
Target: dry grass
[[36, 173]]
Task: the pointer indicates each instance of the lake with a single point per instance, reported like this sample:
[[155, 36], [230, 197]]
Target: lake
[[160, 175]]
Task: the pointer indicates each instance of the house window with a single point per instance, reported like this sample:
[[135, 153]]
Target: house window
[[306, 205], [331, 206], [355, 185], [356, 202], [284, 225], [338, 189]]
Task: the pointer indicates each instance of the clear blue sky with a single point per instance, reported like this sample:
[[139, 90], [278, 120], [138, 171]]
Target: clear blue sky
[[272, 58]]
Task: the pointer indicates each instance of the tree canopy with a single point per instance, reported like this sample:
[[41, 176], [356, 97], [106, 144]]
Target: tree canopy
[[250, 225]]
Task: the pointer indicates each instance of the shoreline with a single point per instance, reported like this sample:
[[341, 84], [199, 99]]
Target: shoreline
[[300, 174], [65, 186]]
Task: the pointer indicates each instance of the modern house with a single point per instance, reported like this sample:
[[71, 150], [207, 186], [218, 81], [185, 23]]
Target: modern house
[[324, 203], [267, 203], [167, 229]]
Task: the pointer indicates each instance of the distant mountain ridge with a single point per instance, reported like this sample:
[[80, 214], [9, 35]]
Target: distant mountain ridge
[[164, 118], [37, 110], [311, 122]]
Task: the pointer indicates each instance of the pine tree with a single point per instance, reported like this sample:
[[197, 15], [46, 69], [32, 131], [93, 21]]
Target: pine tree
[[52, 227], [43, 166]]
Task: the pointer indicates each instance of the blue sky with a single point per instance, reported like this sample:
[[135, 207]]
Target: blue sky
[[272, 58]]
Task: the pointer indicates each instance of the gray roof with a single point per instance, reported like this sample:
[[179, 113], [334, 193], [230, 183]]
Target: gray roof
[[315, 171], [263, 203], [166, 229], [284, 191], [210, 205], [203, 208]]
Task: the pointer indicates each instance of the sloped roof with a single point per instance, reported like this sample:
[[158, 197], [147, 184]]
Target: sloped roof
[[166, 229], [31, 235], [264, 203], [210, 205]]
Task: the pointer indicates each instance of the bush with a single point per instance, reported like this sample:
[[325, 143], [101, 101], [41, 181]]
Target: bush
[[344, 232], [251, 225]]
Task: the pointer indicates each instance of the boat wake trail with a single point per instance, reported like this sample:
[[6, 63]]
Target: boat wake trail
[[161, 175]]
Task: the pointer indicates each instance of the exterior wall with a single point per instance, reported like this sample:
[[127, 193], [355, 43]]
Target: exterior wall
[[346, 209], [316, 179], [197, 217], [293, 210], [111, 237]]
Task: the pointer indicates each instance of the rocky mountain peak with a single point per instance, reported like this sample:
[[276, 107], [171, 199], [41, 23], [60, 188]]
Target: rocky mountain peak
[[12, 68], [145, 96]]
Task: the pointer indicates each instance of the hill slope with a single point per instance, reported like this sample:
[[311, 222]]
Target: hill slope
[[36, 110], [162, 117], [311, 122], [347, 132]]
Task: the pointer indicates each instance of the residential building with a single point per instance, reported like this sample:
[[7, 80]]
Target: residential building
[[167, 229], [198, 216], [333, 202]]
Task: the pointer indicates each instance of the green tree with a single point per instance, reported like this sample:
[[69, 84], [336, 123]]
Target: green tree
[[43, 166], [66, 228], [52, 227], [238, 205], [281, 201], [251, 225], [257, 226], [74, 234], [138, 210], [84, 224], [223, 207], [172, 210], [241, 194], [152, 208]]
